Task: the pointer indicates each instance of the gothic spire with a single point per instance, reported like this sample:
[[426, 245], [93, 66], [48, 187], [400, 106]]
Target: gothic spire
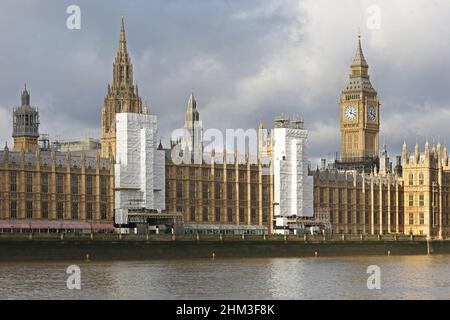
[[123, 41], [25, 97], [192, 104], [359, 60]]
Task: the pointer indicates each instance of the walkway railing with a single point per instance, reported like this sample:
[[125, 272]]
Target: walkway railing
[[201, 237]]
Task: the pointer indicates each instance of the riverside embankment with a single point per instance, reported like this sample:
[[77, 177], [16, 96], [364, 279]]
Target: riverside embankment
[[26, 247]]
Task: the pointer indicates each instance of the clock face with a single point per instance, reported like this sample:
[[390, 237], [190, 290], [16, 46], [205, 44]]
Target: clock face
[[371, 113], [351, 113]]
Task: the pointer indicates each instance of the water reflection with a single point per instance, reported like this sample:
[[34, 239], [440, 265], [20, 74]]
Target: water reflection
[[410, 277]]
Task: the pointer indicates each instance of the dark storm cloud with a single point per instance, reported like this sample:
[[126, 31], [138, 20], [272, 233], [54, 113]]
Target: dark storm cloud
[[245, 61]]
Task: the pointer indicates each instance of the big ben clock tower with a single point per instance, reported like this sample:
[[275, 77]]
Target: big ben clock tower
[[359, 118]]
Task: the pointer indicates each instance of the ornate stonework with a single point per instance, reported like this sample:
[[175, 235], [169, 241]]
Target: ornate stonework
[[122, 96], [359, 113]]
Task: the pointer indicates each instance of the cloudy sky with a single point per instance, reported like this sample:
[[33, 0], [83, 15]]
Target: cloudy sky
[[245, 61]]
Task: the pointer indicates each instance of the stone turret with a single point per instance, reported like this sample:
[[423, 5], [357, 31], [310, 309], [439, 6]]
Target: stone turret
[[25, 125]]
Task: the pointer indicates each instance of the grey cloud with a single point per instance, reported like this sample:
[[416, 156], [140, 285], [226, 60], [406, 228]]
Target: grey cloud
[[245, 61]]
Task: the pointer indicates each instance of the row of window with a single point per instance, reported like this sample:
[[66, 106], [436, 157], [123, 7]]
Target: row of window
[[229, 214], [349, 219], [411, 179], [421, 218], [218, 173], [411, 200], [74, 183], [30, 213], [218, 191], [357, 197]]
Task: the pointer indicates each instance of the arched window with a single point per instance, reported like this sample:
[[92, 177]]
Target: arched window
[[411, 179], [421, 179]]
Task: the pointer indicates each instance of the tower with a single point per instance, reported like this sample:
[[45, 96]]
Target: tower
[[193, 129], [25, 125], [293, 187], [122, 96], [359, 117]]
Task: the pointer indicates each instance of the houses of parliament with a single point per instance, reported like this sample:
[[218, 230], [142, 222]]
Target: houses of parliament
[[362, 192]]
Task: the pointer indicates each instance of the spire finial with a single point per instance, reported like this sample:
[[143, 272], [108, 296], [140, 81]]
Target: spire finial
[[123, 42], [359, 60], [192, 104]]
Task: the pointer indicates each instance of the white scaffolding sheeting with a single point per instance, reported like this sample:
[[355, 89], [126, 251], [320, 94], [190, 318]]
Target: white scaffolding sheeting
[[140, 166], [293, 188]]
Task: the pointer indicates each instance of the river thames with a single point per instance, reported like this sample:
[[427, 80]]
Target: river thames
[[402, 277]]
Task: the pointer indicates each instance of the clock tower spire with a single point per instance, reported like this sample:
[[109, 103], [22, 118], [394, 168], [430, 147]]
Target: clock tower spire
[[359, 117]]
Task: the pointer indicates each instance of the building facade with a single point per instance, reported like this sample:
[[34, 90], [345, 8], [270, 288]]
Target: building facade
[[426, 179], [363, 193], [360, 203], [50, 186], [228, 190]]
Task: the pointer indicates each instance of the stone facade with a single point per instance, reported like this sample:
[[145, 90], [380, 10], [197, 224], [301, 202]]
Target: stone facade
[[426, 179], [122, 96], [51, 185], [359, 117], [227, 190], [360, 203]]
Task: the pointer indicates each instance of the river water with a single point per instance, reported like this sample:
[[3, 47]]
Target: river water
[[401, 277]]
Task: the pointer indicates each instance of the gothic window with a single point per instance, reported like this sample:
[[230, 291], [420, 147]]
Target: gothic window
[[218, 191], [241, 215], [205, 190], [13, 181], [411, 200], [192, 214], [421, 218], [59, 183], [29, 182], [75, 211], [192, 190], [241, 191], [217, 214], [205, 214], [253, 215], [230, 215], [60, 211], [421, 179], [89, 211], [411, 218], [103, 211], [44, 182], [89, 188], [122, 73], [13, 209], [29, 207], [74, 184], [421, 200], [265, 215], [411, 179], [229, 191], [44, 209], [253, 193]]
